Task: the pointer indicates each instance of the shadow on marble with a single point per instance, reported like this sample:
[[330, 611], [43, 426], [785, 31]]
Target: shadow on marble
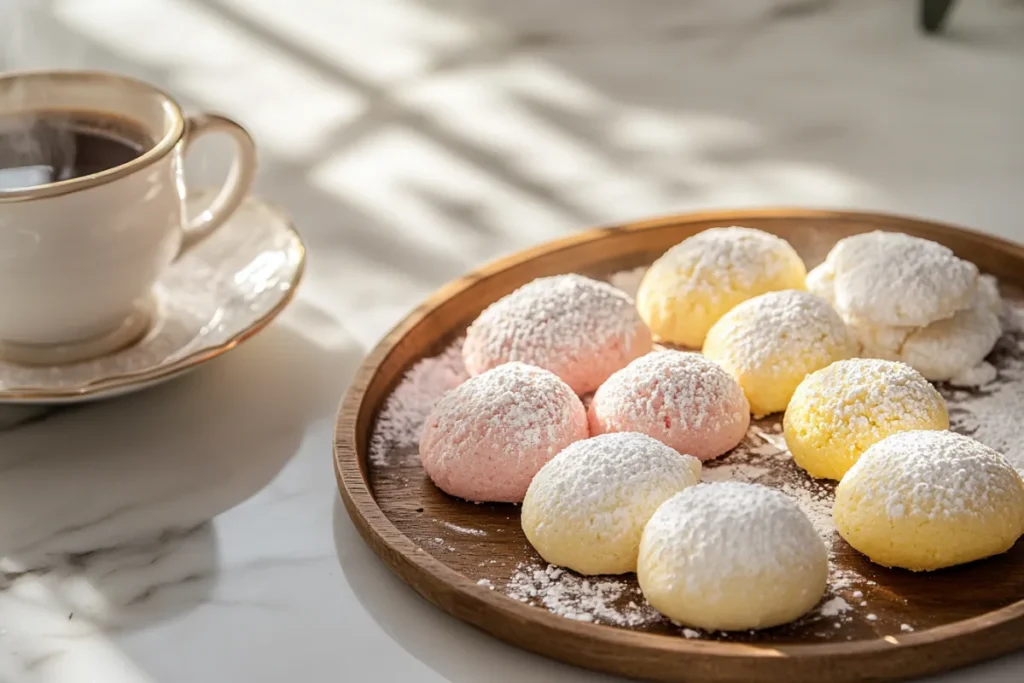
[[429, 634], [109, 506]]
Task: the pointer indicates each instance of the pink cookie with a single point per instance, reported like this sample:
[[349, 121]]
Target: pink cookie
[[580, 329], [486, 438], [681, 399]]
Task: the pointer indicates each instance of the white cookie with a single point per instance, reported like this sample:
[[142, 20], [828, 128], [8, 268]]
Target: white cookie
[[944, 348], [895, 280]]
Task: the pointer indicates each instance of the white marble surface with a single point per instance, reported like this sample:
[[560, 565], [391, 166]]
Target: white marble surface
[[194, 532]]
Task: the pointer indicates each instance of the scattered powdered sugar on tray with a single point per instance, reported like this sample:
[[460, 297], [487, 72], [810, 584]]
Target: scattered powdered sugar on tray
[[834, 607], [993, 412], [602, 600], [400, 423], [461, 529]]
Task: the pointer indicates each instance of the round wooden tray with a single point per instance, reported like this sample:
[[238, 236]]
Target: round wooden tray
[[961, 615]]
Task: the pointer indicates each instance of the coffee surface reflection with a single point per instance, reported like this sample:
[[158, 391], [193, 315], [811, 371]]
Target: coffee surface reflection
[[49, 147]]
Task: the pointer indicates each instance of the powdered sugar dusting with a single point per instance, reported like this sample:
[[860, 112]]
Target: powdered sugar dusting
[[532, 406], [935, 475], [868, 391], [887, 278], [789, 331], [587, 476], [696, 388], [580, 329], [679, 398], [732, 258]]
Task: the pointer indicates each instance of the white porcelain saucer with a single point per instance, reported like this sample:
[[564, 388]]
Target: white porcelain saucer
[[219, 294]]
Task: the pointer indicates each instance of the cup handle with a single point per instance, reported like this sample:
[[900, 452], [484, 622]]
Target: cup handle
[[238, 182]]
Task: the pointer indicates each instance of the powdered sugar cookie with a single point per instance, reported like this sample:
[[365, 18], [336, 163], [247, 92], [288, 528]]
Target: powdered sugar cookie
[[925, 500], [771, 342], [587, 507], [731, 556], [697, 281], [944, 348], [487, 438], [892, 279], [578, 328], [949, 347], [838, 412], [680, 398]]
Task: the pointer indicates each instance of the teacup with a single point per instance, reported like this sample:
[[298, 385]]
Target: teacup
[[92, 208]]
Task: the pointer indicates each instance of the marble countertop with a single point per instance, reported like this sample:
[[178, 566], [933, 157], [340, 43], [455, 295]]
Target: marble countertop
[[194, 532]]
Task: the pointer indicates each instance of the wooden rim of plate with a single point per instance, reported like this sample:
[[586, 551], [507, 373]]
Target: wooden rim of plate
[[617, 650]]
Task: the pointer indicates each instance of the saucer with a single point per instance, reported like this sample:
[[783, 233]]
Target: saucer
[[220, 293]]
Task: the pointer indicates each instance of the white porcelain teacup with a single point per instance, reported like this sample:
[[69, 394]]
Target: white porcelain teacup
[[81, 248]]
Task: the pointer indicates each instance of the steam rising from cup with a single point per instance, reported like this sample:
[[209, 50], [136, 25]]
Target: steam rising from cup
[[33, 151]]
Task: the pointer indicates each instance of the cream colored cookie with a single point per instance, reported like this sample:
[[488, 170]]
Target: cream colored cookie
[[697, 281], [771, 342], [587, 507], [731, 556], [838, 412], [924, 500]]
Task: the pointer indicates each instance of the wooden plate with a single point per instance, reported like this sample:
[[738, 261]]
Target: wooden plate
[[445, 548]]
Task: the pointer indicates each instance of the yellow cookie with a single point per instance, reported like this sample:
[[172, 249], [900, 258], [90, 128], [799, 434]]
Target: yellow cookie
[[838, 412], [925, 500], [731, 556], [771, 342], [700, 279]]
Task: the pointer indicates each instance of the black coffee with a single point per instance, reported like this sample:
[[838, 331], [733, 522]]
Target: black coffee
[[48, 147]]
